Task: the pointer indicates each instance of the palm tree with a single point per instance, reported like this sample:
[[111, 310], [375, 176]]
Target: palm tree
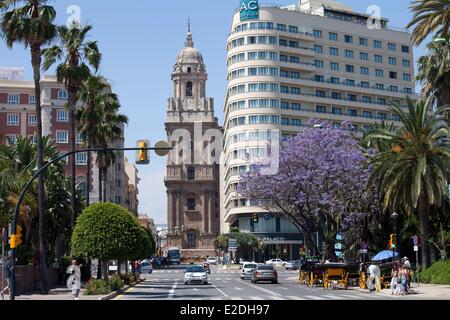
[[434, 72], [32, 25], [75, 54], [93, 92], [429, 16], [413, 173]]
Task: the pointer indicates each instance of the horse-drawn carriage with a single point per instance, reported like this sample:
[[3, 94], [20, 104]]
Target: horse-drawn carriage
[[386, 276], [327, 275]]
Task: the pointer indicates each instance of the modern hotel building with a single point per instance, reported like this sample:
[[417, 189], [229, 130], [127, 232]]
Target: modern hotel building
[[286, 65]]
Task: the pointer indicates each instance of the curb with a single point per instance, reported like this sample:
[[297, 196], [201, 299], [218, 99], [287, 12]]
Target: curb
[[116, 293]]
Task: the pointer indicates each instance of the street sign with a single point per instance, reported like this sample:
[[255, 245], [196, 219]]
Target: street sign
[[416, 248], [232, 244], [415, 239], [364, 245], [363, 250]]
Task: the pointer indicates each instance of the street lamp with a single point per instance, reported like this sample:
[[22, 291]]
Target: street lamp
[[395, 216]]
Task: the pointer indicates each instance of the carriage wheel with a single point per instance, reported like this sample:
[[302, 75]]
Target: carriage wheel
[[362, 280]]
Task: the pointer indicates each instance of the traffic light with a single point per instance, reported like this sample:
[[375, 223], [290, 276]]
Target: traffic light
[[255, 218], [15, 240], [142, 154], [392, 241]]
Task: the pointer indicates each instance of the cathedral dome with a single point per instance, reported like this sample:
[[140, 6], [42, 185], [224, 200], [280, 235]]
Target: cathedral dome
[[189, 55]]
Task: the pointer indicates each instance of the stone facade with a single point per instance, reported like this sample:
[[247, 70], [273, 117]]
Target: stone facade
[[192, 184]]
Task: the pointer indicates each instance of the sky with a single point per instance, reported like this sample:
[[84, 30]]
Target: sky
[[140, 40]]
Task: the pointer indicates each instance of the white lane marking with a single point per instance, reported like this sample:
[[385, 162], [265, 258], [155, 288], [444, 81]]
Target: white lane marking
[[239, 289], [331, 297], [314, 298], [256, 298], [214, 286], [353, 297], [275, 298], [282, 288], [172, 291], [195, 289], [295, 298], [237, 298], [273, 293]]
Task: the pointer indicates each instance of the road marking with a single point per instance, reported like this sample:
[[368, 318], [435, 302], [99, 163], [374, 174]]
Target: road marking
[[256, 298], [172, 290], [195, 289], [295, 298], [273, 293], [353, 297], [275, 298], [331, 297], [214, 286], [237, 298], [239, 289], [120, 296], [314, 298], [282, 288]]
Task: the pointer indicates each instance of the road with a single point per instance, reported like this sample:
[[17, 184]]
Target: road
[[168, 284]]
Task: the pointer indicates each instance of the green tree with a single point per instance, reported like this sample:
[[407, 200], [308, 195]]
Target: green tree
[[429, 16], [76, 55], [413, 173], [32, 25], [106, 231]]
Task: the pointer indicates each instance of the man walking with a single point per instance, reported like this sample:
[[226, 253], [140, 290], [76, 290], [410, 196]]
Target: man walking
[[74, 281], [6, 269]]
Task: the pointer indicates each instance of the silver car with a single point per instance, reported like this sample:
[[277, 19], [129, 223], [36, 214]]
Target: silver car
[[195, 274], [265, 272], [247, 269]]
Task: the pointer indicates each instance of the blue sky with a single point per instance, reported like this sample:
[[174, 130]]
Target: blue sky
[[140, 39]]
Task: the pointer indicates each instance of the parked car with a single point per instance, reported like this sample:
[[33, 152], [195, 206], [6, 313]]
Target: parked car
[[146, 267], [247, 269], [293, 265], [276, 262], [266, 272], [195, 274], [212, 260]]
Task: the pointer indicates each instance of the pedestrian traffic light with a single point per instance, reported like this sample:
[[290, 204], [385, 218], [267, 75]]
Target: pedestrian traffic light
[[142, 153], [393, 241], [255, 218], [15, 240]]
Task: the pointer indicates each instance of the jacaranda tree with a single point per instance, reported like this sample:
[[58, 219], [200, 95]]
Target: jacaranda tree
[[320, 185]]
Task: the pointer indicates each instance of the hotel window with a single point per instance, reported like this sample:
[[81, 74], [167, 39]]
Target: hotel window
[[379, 86], [318, 49], [293, 29], [379, 73], [336, 95], [283, 42], [378, 58], [392, 75], [319, 64], [293, 44], [285, 121], [363, 41], [191, 173], [295, 90], [333, 36], [364, 56], [13, 98], [392, 60], [62, 115], [296, 106], [317, 33], [284, 105], [79, 139], [319, 78], [365, 84], [395, 117], [392, 47], [407, 90], [352, 113], [335, 80], [12, 119], [281, 27], [11, 139], [406, 63], [348, 39], [405, 49], [320, 93], [349, 54], [336, 110], [251, 40], [351, 97], [366, 99], [365, 71], [81, 159], [367, 114], [381, 101], [334, 51], [62, 95], [377, 44], [349, 68], [350, 82], [62, 136], [32, 120], [296, 122], [406, 77], [293, 59], [31, 99], [382, 115], [334, 66], [393, 88], [321, 109]]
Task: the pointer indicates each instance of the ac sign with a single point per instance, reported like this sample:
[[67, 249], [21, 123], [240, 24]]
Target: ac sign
[[249, 10]]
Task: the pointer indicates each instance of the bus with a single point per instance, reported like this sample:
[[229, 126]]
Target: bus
[[174, 255]]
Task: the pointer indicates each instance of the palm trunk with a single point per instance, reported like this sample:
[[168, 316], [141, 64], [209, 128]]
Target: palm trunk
[[72, 137], [36, 63], [424, 214], [99, 269], [88, 170], [104, 176]]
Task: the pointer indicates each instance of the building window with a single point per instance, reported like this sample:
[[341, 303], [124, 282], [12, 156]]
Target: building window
[[62, 136], [319, 78], [393, 88], [382, 115], [31, 99], [381, 101], [81, 159], [318, 49], [336, 95], [62, 95], [352, 113], [118, 183], [377, 44], [405, 49], [392, 60], [13, 99], [285, 121], [365, 84], [321, 109], [407, 90], [348, 39], [350, 82], [363, 41], [333, 36], [191, 240], [334, 51], [334, 66], [392, 47], [406, 77], [191, 173], [406, 63], [349, 68], [79, 139], [366, 99], [319, 64], [367, 114], [11, 139], [32, 120], [365, 71], [12, 119], [320, 93], [281, 27], [189, 89], [334, 80], [351, 97], [379, 73], [189, 69], [378, 58], [191, 204], [317, 33], [349, 54], [62, 115], [379, 86], [336, 110], [392, 75]]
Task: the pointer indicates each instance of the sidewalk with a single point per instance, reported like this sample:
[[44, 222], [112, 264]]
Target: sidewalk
[[425, 291]]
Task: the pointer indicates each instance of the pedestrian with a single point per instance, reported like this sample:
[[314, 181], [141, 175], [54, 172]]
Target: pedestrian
[[7, 269], [74, 281], [377, 278], [395, 286], [372, 274], [407, 265]]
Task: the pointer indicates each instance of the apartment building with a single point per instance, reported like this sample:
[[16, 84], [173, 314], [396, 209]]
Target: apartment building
[[314, 59]]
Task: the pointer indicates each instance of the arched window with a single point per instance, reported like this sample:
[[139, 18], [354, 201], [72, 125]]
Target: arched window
[[189, 69], [189, 89], [191, 173], [62, 95]]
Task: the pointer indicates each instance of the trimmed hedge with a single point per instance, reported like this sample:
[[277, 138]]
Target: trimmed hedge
[[438, 273], [98, 287]]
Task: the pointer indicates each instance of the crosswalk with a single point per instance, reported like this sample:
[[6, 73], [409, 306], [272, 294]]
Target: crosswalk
[[290, 298]]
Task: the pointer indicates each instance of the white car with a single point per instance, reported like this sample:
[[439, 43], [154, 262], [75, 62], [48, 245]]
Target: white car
[[212, 260], [146, 267], [247, 269], [195, 274], [276, 262]]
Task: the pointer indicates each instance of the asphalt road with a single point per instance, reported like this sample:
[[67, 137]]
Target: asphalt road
[[227, 285]]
